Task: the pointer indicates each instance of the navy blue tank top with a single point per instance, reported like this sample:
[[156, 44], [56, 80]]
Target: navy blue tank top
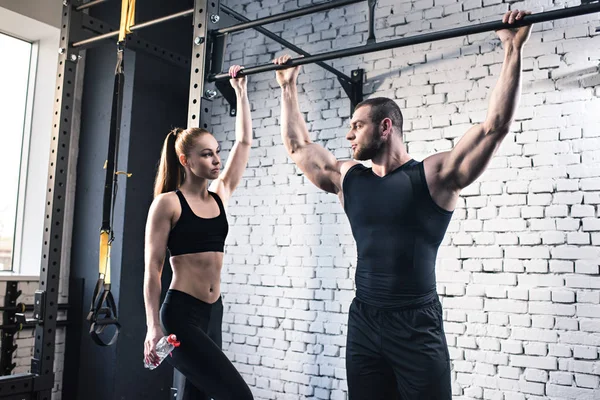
[[193, 234], [398, 229]]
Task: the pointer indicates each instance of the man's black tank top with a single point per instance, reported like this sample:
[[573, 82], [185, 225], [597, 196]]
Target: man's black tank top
[[398, 229], [193, 234]]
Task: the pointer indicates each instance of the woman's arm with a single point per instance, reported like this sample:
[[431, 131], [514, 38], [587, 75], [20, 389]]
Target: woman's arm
[[238, 157], [158, 227]]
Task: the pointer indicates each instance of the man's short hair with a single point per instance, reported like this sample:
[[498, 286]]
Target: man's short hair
[[382, 107]]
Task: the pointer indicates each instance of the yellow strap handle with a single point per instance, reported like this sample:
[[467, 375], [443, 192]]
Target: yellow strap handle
[[104, 252], [104, 256], [127, 18], [107, 274]]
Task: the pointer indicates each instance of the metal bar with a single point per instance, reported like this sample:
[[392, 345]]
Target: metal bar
[[28, 325], [162, 19], [29, 307], [418, 39], [283, 42], [371, 38], [96, 39], [90, 4], [135, 27], [291, 14]]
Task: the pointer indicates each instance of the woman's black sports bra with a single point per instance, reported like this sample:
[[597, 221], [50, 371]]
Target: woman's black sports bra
[[193, 234]]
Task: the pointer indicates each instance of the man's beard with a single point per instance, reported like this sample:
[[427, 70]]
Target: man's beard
[[370, 150]]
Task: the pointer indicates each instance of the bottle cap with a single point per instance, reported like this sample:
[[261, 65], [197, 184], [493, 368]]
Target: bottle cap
[[172, 339]]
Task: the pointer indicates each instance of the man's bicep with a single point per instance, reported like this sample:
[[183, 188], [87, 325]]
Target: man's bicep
[[468, 159], [320, 166]]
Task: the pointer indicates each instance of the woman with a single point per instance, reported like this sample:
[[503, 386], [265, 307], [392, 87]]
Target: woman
[[187, 217]]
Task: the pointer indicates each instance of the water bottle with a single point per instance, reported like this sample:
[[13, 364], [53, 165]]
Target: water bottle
[[164, 347]]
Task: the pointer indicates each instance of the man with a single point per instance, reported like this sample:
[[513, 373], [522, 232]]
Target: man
[[399, 211]]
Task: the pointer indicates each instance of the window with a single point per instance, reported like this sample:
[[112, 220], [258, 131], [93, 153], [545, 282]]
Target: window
[[27, 80], [14, 81]]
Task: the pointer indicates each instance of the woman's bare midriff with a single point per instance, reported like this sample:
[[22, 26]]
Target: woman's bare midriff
[[198, 275]]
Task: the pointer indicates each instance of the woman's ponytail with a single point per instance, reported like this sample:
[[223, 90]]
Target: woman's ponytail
[[169, 175]]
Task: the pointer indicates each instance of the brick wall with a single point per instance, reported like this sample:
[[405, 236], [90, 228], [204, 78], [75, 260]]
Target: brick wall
[[518, 271]]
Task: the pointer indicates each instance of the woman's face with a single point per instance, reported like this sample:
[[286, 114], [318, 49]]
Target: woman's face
[[203, 160]]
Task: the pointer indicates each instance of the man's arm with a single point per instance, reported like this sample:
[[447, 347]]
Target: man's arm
[[459, 167], [318, 164]]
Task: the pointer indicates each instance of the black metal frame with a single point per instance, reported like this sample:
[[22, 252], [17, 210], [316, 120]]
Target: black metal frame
[[206, 63]]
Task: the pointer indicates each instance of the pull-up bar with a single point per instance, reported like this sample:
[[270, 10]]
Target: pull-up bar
[[418, 39], [283, 16]]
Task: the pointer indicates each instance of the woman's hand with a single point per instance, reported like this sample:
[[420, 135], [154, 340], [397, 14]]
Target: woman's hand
[[153, 335], [238, 83]]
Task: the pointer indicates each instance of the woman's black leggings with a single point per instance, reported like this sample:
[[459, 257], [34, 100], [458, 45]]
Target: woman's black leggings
[[208, 371]]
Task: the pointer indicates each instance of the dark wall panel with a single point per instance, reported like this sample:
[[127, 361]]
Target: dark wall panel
[[156, 94]]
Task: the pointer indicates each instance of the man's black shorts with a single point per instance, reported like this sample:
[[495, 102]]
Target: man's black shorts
[[397, 353]]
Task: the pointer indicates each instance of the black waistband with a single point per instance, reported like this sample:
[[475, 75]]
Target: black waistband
[[175, 296], [407, 303]]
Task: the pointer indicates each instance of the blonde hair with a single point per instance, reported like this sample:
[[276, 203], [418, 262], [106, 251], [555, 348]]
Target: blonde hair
[[170, 172]]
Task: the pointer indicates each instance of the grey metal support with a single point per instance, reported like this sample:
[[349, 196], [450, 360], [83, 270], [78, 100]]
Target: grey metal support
[[42, 363], [371, 19], [206, 18], [354, 88]]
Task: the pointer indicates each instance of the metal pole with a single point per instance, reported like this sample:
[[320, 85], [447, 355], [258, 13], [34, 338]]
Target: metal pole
[[162, 19], [424, 38], [135, 27], [90, 4], [96, 39], [291, 14], [283, 42], [28, 325]]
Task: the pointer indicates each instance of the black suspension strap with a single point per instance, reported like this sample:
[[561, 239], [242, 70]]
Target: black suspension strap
[[103, 308]]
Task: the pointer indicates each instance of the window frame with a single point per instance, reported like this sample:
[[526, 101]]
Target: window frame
[[35, 154]]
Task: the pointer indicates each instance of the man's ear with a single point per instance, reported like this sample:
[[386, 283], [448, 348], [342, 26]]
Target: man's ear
[[386, 127]]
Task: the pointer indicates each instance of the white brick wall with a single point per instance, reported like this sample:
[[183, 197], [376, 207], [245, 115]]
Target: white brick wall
[[518, 271]]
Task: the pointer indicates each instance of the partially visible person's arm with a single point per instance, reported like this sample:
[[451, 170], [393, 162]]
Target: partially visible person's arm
[[318, 164]]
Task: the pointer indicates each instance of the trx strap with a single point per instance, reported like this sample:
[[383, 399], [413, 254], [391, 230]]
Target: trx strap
[[127, 18], [103, 309]]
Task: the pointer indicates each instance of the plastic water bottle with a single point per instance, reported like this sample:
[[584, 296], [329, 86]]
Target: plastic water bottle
[[164, 347]]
